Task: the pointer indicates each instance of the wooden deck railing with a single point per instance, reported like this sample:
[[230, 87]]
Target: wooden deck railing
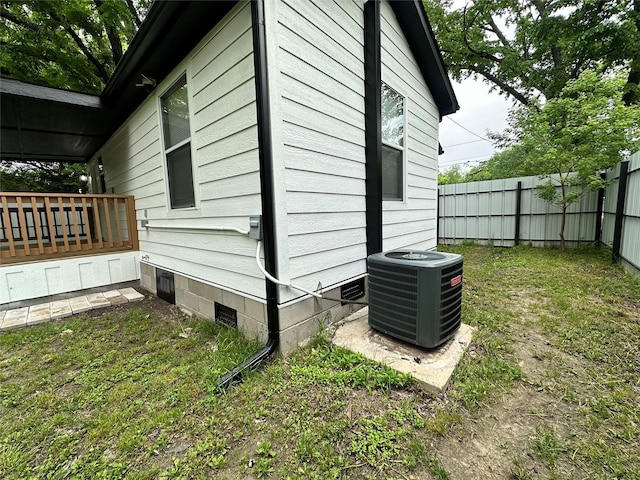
[[35, 226]]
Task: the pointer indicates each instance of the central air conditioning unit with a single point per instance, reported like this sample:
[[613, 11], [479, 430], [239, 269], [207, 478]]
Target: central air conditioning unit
[[415, 296]]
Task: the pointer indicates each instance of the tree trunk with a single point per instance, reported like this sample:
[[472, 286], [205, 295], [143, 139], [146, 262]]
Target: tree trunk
[[564, 213], [564, 219]]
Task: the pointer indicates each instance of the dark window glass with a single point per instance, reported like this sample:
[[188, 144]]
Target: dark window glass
[[180, 177], [392, 175]]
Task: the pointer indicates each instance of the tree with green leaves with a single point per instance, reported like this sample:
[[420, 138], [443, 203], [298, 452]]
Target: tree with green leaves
[[453, 174], [507, 163], [71, 44], [530, 50], [574, 137], [44, 177]]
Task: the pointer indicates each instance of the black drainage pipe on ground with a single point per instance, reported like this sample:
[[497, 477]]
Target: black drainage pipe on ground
[[266, 186]]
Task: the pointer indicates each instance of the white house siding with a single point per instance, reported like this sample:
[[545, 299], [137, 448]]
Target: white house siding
[[220, 82], [318, 92], [318, 87], [412, 223]]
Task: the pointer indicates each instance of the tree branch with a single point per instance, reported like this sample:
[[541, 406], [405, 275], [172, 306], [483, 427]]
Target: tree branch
[[557, 56], [13, 18], [505, 87], [466, 27], [540, 7], [134, 13], [112, 35], [575, 71], [498, 32], [97, 66]]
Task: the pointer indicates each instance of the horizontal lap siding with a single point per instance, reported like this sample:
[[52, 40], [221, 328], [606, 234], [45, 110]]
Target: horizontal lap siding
[[320, 59], [220, 80], [411, 224]]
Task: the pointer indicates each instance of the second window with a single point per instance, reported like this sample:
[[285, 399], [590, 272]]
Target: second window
[[393, 144]]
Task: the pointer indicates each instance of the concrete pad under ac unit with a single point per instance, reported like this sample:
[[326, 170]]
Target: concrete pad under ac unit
[[432, 368]]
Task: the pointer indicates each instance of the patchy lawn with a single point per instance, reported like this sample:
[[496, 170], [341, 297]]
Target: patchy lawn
[[550, 388]]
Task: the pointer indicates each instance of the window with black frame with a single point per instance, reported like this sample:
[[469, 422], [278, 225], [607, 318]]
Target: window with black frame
[[393, 144], [177, 144]]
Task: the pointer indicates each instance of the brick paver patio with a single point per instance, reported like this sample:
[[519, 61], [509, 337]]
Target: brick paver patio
[[43, 312]]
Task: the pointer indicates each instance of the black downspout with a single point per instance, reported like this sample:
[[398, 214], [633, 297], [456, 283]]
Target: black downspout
[[373, 125], [266, 187], [518, 213], [597, 241], [617, 229]]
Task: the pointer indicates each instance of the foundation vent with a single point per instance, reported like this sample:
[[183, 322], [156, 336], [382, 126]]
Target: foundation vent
[[352, 290], [226, 315], [165, 286]]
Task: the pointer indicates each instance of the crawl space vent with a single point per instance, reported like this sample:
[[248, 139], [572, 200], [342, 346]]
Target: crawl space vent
[[165, 286], [226, 315], [352, 290]]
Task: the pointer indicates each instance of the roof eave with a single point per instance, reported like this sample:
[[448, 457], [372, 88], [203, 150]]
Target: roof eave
[[417, 29]]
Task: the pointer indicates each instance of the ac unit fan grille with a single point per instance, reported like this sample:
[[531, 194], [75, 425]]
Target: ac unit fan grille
[[450, 300], [386, 286]]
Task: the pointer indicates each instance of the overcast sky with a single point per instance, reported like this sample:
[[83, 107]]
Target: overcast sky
[[479, 112]]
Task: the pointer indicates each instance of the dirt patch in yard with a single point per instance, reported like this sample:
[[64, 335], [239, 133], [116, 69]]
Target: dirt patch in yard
[[151, 304], [485, 447], [502, 441]]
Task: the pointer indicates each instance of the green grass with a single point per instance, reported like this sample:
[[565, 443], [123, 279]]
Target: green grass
[[126, 396], [588, 312]]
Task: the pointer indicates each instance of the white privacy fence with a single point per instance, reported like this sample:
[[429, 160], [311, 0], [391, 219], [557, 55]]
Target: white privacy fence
[[509, 212]]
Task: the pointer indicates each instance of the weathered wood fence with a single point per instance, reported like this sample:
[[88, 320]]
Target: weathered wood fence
[[35, 226], [509, 212]]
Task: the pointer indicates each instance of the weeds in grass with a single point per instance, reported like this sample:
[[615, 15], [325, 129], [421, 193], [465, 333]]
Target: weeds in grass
[[436, 468], [519, 471], [548, 446]]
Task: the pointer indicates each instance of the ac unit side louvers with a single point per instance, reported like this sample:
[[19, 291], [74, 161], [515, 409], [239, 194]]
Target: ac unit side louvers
[[415, 296]]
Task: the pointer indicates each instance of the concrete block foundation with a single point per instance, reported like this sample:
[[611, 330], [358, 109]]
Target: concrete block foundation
[[299, 321]]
